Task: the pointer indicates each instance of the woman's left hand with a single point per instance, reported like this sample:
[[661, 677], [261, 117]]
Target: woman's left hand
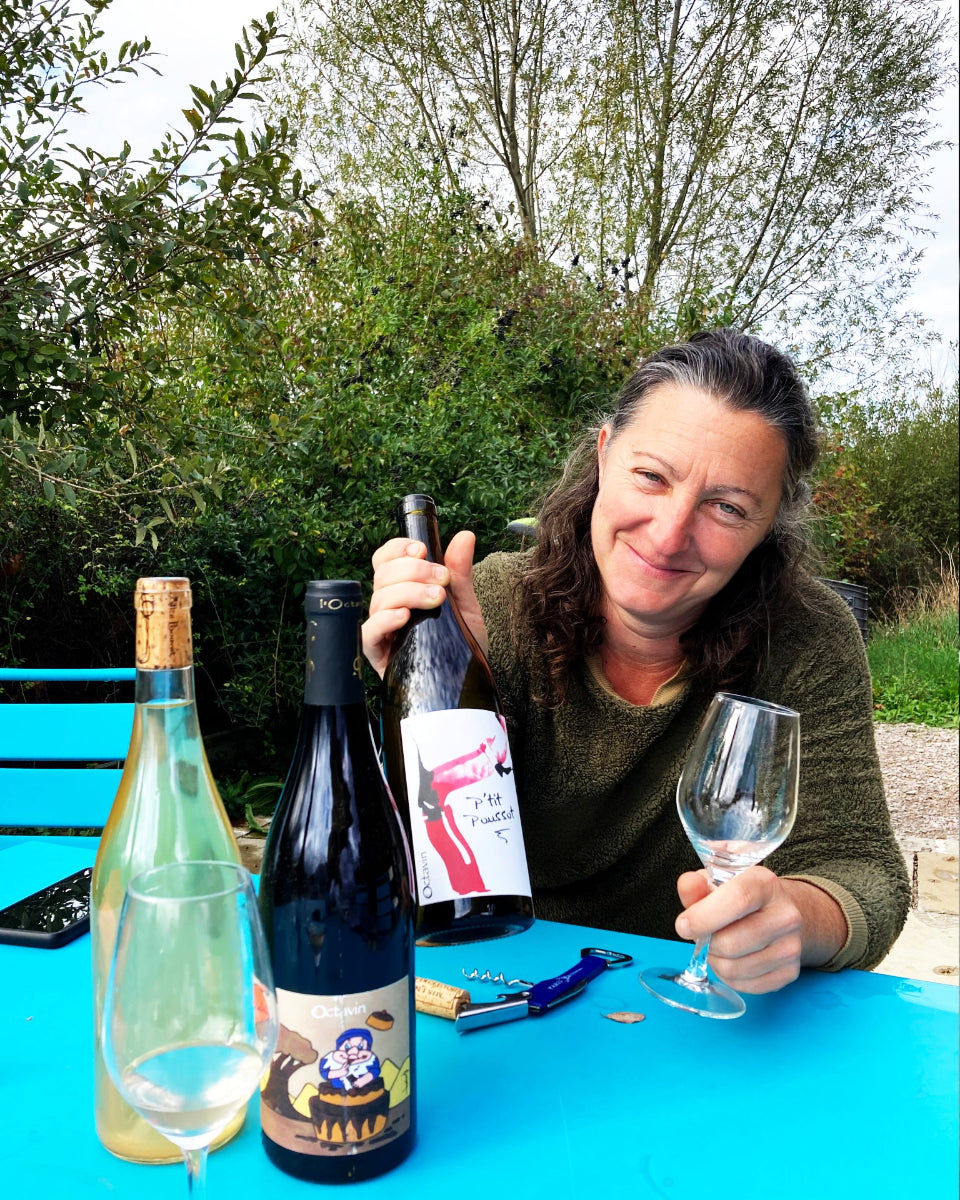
[[762, 928]]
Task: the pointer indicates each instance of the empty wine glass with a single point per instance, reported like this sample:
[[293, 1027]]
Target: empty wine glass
[[190, 1014], [737, 799]]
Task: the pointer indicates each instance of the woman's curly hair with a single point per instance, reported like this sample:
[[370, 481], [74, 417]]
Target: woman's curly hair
[[561, 593]]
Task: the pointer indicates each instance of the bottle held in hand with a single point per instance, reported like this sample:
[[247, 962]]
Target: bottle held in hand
[[448, 762], [167, 809], [338, 1103]]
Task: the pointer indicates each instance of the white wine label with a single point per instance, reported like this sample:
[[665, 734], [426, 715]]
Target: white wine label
[[339, 1081], [464, 821]]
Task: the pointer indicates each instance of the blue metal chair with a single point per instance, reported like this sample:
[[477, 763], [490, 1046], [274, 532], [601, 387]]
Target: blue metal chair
[[52, 756]]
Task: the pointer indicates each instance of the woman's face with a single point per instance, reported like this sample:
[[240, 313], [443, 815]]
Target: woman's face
[[687, 490]]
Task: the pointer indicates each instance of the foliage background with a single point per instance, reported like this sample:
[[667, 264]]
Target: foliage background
[[253, 423]]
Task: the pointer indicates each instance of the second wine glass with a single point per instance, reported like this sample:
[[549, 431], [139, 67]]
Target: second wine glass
[[190, 1013], [737, 800]]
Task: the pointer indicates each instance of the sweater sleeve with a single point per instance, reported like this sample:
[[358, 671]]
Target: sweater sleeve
[[842, 841]]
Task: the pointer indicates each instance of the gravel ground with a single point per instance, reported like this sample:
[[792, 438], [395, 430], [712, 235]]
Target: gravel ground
[[920, 776]]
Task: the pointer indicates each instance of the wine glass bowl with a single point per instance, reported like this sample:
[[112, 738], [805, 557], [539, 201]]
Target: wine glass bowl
[[737, 801], [190, 1015]]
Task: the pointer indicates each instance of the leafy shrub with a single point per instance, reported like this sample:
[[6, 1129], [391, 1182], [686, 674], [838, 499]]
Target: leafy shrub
[[887, 487], [406, 352]]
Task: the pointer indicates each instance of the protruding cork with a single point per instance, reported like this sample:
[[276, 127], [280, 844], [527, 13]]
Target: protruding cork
[[440, 999], [164, 640]]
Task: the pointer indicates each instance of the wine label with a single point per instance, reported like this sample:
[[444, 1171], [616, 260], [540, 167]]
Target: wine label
[[339, 1081], [464, 821]]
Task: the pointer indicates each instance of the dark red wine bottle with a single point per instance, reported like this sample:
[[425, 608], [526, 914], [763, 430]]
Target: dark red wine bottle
[[448, 762], [339, 1099]]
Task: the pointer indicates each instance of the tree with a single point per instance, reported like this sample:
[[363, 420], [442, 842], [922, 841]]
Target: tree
[[292, 1053], [887, 487], [473, 86], [711, 160], [90, 243], [749, 148]]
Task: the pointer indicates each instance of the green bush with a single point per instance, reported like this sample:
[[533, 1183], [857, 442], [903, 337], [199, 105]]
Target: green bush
[[406, 352], [416, 349], [886, 493]]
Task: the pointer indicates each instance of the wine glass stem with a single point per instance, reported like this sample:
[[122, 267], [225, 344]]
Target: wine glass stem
[[196, 1161], [695, 972]]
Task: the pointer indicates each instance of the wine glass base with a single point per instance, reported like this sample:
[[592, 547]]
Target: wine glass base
[[707, 999]]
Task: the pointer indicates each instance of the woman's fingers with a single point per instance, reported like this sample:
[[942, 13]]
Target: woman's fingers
[[755, 928], [403, 580], [762, 951], [397, 548], [421, 587], [377, 634], [402, 577], [691, 887], [459, 562]]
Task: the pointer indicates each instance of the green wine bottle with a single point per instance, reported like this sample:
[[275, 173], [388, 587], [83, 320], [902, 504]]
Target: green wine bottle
[[167, 809], [448, 764]]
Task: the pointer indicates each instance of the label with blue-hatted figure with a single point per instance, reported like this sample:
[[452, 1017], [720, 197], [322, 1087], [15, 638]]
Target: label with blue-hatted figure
[[339, 1081], [464, 819]]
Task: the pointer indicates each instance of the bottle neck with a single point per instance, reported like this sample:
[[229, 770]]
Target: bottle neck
[[421, 525], [173, 686], [334, 667]]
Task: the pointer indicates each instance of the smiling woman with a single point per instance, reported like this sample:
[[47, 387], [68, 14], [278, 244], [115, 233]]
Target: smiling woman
[[732, 436], [686, 491], [669, 564]]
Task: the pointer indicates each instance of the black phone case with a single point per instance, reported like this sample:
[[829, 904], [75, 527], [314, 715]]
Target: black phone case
[[13, 933]]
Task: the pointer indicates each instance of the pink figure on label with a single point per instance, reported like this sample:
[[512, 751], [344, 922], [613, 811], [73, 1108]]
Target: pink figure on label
[[441, 826]]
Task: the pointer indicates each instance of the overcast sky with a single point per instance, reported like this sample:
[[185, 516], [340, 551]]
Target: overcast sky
[[194, 42]]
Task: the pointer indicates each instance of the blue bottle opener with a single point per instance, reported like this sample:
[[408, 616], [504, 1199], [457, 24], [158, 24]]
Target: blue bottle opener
[[547, 994]]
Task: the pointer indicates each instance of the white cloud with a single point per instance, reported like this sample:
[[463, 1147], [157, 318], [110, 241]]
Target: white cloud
[[194, 42], [935, 291]]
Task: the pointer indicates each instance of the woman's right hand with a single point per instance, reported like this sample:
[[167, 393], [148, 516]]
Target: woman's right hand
[[404, 580]]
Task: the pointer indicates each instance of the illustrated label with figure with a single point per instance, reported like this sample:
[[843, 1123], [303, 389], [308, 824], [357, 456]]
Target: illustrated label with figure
[[464, 821], [339, 1080]]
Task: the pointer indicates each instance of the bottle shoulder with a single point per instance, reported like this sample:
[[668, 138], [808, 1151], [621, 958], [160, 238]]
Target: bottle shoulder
[[335, 808], [435, 667], [167, 807]]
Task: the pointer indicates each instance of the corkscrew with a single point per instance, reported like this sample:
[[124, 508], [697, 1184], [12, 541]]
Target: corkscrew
[[455, 1004], [475, 977]]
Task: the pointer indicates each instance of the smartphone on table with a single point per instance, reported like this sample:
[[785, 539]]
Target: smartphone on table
[[51, 917]]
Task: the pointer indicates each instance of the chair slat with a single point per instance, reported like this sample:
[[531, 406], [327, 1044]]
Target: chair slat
[[74, 732], [78, 797], [68, 675], [68, 796]]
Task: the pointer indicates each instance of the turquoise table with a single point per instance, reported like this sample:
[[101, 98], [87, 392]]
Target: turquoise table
[[840, 1086]]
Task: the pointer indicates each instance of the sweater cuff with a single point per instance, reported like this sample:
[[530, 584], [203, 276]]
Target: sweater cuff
[[855, 947]]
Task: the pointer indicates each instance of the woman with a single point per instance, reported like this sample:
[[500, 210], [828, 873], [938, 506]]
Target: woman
[[668, 565]]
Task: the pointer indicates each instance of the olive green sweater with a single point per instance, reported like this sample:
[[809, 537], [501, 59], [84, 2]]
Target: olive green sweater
[[597, 776]]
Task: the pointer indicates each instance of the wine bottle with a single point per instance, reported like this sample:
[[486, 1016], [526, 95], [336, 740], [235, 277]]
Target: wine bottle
[[448, 764], [338, 1101], [167, 809]]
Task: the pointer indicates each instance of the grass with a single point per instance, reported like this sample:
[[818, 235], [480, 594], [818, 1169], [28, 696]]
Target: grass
[[913, 657]]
